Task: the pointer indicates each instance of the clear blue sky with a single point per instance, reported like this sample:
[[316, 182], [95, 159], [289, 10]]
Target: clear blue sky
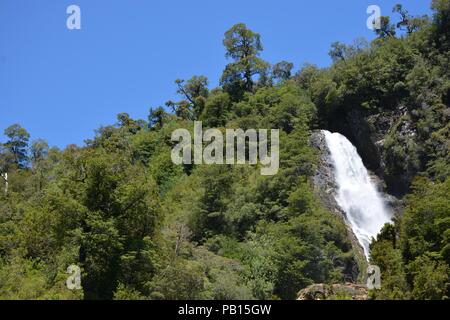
[[61, 84]]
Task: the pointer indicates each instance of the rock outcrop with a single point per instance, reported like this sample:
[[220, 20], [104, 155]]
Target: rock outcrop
[[348, 291]]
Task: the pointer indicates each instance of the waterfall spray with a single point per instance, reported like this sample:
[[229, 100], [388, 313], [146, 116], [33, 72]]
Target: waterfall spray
[[357, 195]]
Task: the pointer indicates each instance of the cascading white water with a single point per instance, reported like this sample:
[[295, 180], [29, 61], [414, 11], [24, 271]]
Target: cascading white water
[[357, 194]]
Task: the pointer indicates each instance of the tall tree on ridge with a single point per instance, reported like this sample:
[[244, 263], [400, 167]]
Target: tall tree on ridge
[[243, 46], [17, 144]]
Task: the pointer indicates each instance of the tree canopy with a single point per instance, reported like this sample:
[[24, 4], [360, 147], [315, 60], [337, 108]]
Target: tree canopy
[[141, 227]]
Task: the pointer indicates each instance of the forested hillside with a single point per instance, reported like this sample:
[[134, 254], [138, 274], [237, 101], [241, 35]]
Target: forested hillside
[[141, 227]]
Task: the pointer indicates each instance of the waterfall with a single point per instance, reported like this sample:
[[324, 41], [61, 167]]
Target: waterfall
[[357, 195]]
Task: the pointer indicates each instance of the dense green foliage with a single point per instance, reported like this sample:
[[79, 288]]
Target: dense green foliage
[[141, 227], [414, 254]]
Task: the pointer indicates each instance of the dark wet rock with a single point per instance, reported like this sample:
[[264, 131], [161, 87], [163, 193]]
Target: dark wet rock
[[369, 132]]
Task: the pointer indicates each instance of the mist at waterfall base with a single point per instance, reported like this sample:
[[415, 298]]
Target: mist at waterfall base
[[357, 194]]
